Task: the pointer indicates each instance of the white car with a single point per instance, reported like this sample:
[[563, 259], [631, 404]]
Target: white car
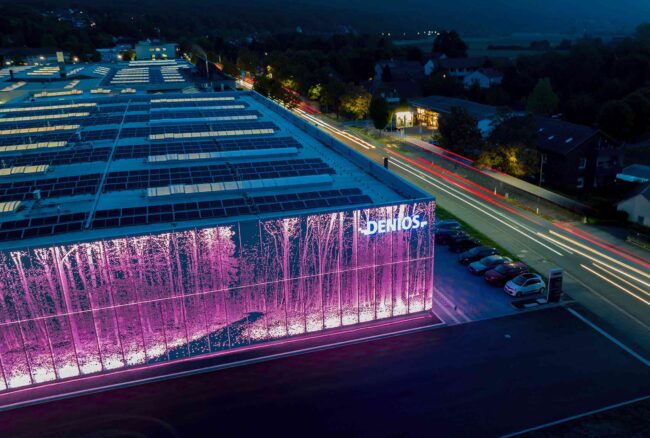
[[525, 284]]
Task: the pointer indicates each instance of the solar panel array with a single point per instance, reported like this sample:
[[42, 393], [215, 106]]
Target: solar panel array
[[143, 179], [224, 208], [148, 126], [50, 187]]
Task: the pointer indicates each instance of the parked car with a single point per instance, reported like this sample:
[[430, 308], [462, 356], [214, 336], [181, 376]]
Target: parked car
[[525, 284], [476, 253], [480, 267], [444, 237], [448, 225], [499, 275], [463, 244]]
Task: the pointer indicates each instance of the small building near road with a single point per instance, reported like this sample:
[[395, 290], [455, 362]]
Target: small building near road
[[576, 157], [429, 109], [484, 78], [637, 205]]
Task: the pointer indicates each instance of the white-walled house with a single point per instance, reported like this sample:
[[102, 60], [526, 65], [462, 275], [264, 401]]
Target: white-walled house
[[637, 206], [433, 63], [483, 77]]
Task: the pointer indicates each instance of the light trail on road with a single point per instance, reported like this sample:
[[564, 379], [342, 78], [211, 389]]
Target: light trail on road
[[364, 144], [616, 285], [606, 245], [484, 208], [611, 259]]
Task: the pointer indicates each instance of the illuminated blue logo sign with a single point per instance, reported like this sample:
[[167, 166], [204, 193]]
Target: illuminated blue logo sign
[[390, 225]]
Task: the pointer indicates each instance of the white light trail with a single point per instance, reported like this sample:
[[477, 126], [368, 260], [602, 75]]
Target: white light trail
[[615, 284]]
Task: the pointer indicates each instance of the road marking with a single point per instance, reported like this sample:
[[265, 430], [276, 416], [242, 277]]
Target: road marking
[[605, 299], [632, 294], [575, 417], [452, 305], [605, 256], [640, 358], [447, 190], [619, 278]]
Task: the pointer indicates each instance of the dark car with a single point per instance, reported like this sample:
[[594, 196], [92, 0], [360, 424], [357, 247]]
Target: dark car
[[499, 275], [444, 237], [480, 267], [448, 225], [476, 253], [463, 244]]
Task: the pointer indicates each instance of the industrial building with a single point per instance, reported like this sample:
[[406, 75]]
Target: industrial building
[[138, 229]]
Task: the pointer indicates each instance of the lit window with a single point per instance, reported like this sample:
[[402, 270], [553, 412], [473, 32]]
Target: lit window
[[581, 183]]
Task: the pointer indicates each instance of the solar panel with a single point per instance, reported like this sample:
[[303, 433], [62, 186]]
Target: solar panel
[[50, 187], [146, 150], [224, 208], [150, 178]]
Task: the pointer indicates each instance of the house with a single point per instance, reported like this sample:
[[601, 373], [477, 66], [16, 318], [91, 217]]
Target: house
[[398, 79], [484, 78], [576, 157], [429, 109], [637, 205], [461, 67], [398, 69], [635, 173], [433, 62]]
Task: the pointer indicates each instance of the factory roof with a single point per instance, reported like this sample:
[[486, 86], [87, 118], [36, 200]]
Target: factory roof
[[76, 168]]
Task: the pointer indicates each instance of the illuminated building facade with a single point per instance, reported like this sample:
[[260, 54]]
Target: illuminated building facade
[[145, 245]]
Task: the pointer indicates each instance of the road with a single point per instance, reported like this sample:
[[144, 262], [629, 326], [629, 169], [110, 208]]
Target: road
[[608, 277]]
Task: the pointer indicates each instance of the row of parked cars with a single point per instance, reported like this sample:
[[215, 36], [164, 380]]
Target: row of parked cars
[[497, 270]]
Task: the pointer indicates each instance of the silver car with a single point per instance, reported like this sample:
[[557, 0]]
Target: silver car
[[525, 284]]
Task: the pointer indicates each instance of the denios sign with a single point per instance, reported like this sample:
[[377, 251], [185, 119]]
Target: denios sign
[[404, 223]]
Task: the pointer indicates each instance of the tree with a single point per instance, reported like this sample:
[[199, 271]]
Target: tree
[[515, 131], [331, 95], [379, 112], [315, 92], [247, 60], [640, 106], [616, 118], [512, 147], [514, 160], [442, 84], [127, 55], [386, 74], [355, 101], [642, 34], [459, 131], [450, 43], [543, 99], [273, 89]]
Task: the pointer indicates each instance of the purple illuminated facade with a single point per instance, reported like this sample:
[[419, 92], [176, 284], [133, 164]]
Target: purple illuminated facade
[[84, 308]]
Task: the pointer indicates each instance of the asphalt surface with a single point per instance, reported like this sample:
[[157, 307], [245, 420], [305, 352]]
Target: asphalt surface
[[606, 275], [487, 378]]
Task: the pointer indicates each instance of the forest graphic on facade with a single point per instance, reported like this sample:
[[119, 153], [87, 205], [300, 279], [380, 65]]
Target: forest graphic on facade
[[85, 308]]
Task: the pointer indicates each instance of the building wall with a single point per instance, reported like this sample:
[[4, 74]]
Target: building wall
[[637, 208], [565, 171], [86, 308], [155, 51]]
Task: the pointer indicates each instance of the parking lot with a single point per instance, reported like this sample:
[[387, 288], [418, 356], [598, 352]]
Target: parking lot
[[462, 296]]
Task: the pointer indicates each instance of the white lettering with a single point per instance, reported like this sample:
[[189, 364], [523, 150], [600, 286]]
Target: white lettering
[[389, 225]]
